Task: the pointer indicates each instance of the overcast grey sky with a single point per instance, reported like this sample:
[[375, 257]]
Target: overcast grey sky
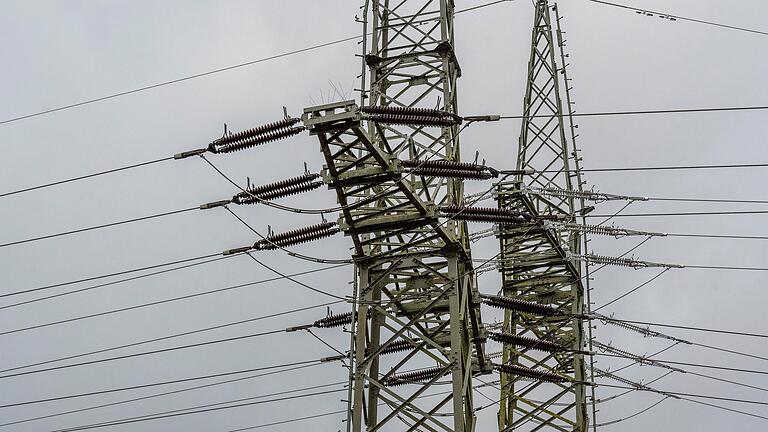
[[61, 52]]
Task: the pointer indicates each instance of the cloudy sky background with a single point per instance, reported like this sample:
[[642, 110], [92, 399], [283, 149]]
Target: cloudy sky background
[[61, 52]]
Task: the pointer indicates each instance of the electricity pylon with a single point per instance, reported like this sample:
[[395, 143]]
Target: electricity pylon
[[416, 307], [543, 378]]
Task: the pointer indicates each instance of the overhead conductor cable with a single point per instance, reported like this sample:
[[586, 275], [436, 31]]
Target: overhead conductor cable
[[279, 189], [601, 230], [621, 262]]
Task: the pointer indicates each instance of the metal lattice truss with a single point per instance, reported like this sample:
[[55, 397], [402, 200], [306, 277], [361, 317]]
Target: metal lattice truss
[[417, 309], [534, 256]]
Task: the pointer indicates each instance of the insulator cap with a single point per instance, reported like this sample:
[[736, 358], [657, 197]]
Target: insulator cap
[[520, 305], [539, 375], [527, 342], [301, 235], [331, 321], [413, 377]]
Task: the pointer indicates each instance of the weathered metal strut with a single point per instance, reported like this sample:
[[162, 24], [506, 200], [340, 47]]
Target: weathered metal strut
[[417, 300]]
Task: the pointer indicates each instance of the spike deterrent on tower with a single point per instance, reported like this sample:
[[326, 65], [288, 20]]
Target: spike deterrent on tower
[[536, 267]]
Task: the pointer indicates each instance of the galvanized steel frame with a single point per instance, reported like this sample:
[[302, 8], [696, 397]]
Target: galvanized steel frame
[[416, 280]]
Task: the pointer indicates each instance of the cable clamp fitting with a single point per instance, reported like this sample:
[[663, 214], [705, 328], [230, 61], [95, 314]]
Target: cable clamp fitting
[[214, 204], [297, 328], [187, 154], [487, 118]]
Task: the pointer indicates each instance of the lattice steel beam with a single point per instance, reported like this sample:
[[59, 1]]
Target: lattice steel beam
[[417, 309], [535, 266]]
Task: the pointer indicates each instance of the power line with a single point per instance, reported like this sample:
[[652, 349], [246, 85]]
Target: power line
[[162, 383], [726, 268], [175, 81], [632, 290], [678, 17], [282, 275], [702, 396], [163, 414], [638, 112], [676, 266], [119, 281], [635, 362], [655, 363], [144, 353], [268, 202], [649, 168], [702, 329], [155, 415], [174, 212], [700, 365], [302, 365], [309, 417], [95, 227], [651, 333], [281, 207], [721, 213], [157, 339], [197, 411], [173, 299], [619, 420], [207, 73], [669, 168], [723, 236], [291, 420], [733, 201], [96, 174], [103, 276], [123, 93], [274, 270], [639, 387]]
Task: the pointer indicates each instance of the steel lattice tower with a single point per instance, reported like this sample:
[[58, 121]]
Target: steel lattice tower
[[544, 384], [417, 309]]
